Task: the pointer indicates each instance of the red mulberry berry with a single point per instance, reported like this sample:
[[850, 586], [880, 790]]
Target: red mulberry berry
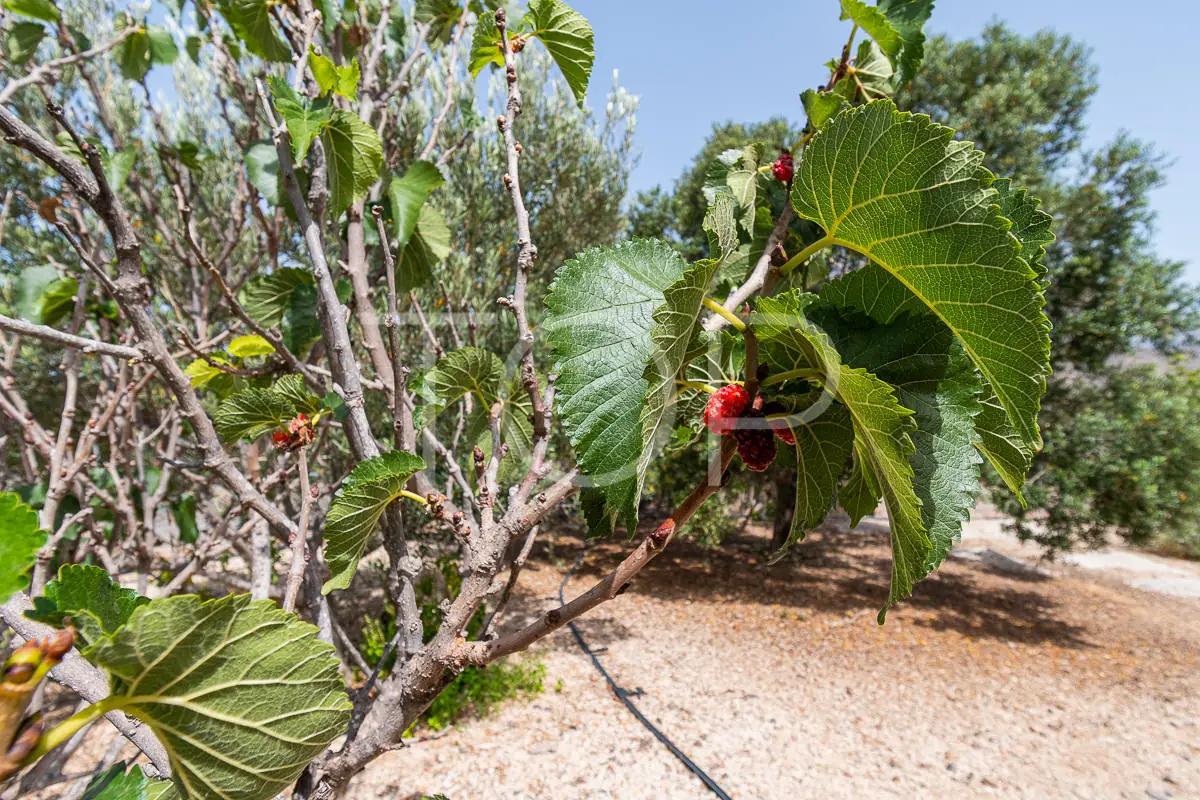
[[724, 406], [755, 442], [783, 168], [280, 439], [784, 432]]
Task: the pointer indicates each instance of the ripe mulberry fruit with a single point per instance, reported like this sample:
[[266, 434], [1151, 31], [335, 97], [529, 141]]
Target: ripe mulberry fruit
[[756, 445], [783, 168], [724, 407], [784, 432]]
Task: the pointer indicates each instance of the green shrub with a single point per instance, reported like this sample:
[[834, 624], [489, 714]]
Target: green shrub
[[1121, 456]]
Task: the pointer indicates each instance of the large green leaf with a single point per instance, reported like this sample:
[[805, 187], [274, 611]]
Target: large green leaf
[[20, 540], [468, 370], [824, 439], [133, 55], [44, 10], [408, 195], [115, 783], [354, 155], [86, 598], [21, 41], [674, 340], [241, 694], [262, 170], [360, 502], [599, 323], [568, 37], [163, 49], [427, 248], [908, 18], [267, 298], [336, 78], [899, 189], [932, 376], [251, 22], [876, 25], [252, 412], [882, 427], [304, 118]]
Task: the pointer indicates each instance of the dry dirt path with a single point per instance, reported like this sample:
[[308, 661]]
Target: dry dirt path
[[994, 681]]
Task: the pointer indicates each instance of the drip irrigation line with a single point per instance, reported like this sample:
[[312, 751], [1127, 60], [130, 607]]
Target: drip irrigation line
[[623, 695]]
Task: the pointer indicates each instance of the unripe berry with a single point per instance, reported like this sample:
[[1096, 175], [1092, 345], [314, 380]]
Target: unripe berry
[[756, 445], [783, 168], [724, 406]]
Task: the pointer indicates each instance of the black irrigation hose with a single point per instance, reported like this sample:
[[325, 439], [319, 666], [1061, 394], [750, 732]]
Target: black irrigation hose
[[623, 696]]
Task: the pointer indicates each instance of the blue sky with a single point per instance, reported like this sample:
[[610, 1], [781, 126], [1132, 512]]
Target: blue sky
[[696, 62]]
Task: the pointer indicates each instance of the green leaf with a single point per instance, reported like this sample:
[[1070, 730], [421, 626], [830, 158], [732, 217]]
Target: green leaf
[[369, 488], [268, 297], [908, 18], [31, 282], [38, 9], [860, 495], [117, 167], [304, 118], [193, 45], [408, 195], [674, 339], [117, 784], [932, 376], [882, 427], [428, 247], [824, 440], [599, 322], [252, 412], [331, 77], [184, 513], [201, 372], [57, 301], [721, 227], [241, 694], [869, 79], [1000, 444], [354, 155], [262, 169], [133, 55], [21, 41], [1031, 225], [20, 539], [485, 44], [248, 346], [468, 370], [735, 172], [568, 37], [899, 189], [291, 388], [876, 25], [442, 15], [88, 599], [300, 325], [251, 22], [821, 106], [161, 45]]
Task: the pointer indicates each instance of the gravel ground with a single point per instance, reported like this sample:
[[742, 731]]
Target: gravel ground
[[994, 681]]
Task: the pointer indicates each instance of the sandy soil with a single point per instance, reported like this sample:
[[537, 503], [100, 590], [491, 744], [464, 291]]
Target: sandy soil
[[1001, 678]]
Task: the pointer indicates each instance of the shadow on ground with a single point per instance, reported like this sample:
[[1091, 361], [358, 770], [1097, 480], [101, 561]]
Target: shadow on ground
[[834, 571]]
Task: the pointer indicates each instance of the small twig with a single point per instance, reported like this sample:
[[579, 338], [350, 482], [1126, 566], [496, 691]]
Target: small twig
[[81, 343], [300, 538]]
